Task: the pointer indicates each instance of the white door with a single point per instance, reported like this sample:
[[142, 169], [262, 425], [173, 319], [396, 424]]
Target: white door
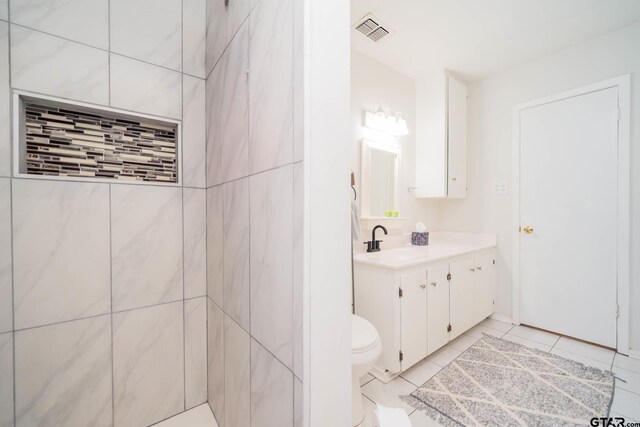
[[462, 304], [413, 308], [568, 201], [437, 307]]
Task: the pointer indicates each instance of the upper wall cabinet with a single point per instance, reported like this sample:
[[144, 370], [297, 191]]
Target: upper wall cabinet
[[441, 138]]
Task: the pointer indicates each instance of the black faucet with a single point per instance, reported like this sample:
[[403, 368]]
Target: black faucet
[[374, 245]]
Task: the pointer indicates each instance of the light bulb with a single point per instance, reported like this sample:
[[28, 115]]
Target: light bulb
[[401, 126], [379, 112]]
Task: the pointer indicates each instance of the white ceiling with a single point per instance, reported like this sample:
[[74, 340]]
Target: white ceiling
[[475, 38]]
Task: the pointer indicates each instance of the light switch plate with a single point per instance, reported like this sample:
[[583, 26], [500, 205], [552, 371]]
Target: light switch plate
[[500, 187]]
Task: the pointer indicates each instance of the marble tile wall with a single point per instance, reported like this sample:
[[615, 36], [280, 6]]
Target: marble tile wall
[[66, 19], [298, 254], [149, 30], [272, 261], [195, 364], [216, 33], [254, 212], [195, 242], [61, 261], [215, 359], [70, 382], [6, 292], [271, 389], [148, 364], [5, 149], [194, 38], [271, 77], [193, 132], [143, 87], [147, 265], [108, 313], [6, 375], [73, 70], [236, 251], [4, 9], [237, 375], [234, 158]]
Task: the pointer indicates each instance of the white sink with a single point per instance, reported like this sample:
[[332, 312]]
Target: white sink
[[395, 255], [450, 244]]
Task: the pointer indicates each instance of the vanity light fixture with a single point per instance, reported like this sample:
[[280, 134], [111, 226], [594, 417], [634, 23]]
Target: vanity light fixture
[[386, 122], [401, 125]]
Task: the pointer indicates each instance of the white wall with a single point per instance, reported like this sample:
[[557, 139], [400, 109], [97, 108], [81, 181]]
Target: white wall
[[374, 83], [327, 315], [490, 140]]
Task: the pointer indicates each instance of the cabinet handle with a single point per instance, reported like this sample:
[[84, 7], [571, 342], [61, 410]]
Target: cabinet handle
[[479, 268], [433, 283], [472, 269], [454, 179], [423, 286]]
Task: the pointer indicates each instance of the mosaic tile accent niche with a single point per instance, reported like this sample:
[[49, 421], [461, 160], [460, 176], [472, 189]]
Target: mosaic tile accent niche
[[66, 140]]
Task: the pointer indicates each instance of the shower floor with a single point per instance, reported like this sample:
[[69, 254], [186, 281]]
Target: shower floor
[[200, 416]]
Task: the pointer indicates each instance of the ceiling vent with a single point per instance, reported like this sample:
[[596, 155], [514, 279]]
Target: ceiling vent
[[371, 27]]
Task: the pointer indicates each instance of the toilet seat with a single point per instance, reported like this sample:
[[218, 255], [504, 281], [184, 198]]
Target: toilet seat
[[366, 347], [364, 336]]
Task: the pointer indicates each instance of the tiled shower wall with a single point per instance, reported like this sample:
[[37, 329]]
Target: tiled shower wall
[[254, 211], [103, 285]]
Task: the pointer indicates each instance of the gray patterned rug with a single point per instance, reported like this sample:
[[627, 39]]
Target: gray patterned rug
[[500, 383]]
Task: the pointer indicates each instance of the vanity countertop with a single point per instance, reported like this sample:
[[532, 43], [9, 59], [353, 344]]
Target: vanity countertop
[[397, 251]]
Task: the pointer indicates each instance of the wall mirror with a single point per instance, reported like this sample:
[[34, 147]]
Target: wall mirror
[[380, 178]]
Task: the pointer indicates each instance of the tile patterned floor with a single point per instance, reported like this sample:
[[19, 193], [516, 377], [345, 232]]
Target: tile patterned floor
[[626, 401], [200, 416]]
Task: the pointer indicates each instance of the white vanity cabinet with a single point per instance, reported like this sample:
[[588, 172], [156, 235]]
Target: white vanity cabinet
[[437, 306], [471, 292], [419, 309]]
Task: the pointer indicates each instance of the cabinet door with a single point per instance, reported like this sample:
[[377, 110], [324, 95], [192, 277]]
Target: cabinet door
[[413, 307], [437, 307], [463, 311], [457, 138], [485, 285]]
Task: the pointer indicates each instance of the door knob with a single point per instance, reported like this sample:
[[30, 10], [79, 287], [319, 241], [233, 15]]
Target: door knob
[[528, 229]]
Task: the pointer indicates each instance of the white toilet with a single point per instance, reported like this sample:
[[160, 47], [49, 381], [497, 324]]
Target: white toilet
[[365, 350]]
